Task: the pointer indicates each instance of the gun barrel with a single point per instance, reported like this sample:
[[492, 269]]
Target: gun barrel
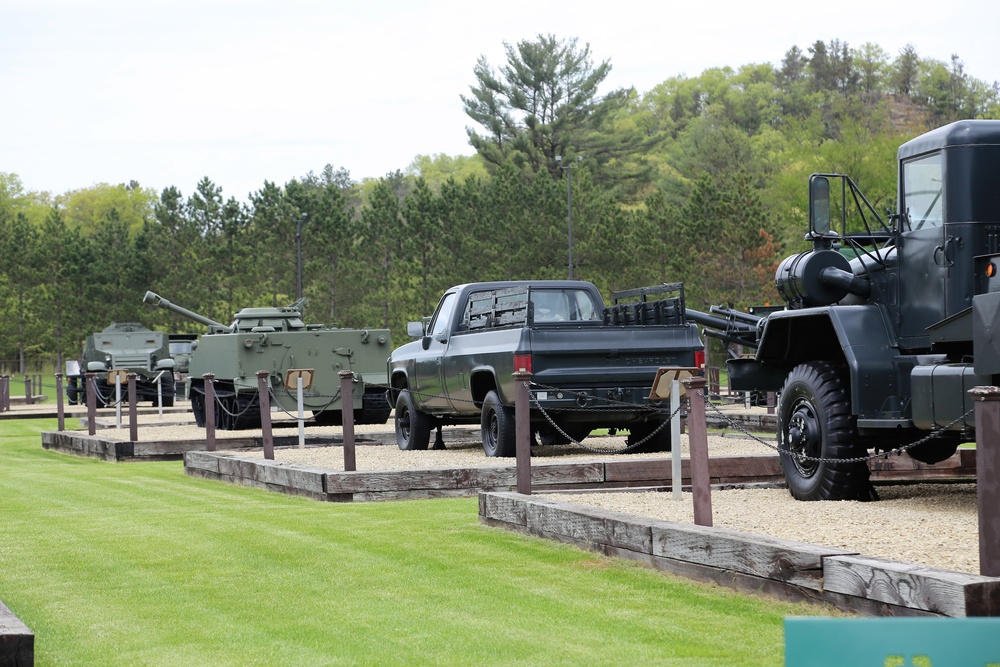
[[739, 330], [157, 300]]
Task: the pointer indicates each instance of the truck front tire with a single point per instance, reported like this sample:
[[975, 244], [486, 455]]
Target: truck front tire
[[413, 428], [814, 420], [498, 427]]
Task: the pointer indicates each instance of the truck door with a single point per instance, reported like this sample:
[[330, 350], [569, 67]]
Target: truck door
[[923, 260], [428, 366]]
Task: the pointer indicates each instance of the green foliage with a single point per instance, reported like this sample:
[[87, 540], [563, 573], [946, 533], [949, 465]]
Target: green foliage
[[700, 179]]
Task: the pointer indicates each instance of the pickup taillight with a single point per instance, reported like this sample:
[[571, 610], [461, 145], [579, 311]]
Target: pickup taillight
[[699, 358], [522, 363]]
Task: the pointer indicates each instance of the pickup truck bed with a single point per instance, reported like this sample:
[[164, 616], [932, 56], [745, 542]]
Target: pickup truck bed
[[592, 365]]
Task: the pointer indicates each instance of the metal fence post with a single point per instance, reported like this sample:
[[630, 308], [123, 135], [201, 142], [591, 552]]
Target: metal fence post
[[347, 407], [522, 431], [264, 399], [701, 487], [133, 412], [91, 381], [60, 412], [209, 411], [987, 484]]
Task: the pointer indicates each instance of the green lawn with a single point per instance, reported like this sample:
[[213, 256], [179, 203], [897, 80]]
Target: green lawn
[[138, 564]]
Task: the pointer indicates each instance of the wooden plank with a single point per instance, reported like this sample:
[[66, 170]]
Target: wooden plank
[[588, 525], [791, 562], [17, 641], [505, 507], [202, 461], [408, 480], [917, 586], [294, 477]]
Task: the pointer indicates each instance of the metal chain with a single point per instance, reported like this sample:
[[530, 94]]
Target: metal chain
[[606, 450], [857, 459]]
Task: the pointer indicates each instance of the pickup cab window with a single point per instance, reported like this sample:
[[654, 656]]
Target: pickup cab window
[[564, 305], [442, 318]]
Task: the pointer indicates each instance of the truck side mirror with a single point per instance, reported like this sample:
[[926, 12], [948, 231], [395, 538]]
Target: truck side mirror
[[819, 205]]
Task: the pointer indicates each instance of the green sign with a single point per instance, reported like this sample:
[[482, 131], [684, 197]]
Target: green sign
[[892, 642]]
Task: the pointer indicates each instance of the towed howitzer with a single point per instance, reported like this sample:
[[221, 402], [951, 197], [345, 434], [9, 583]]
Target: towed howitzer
[[277, 340], [732, 327]]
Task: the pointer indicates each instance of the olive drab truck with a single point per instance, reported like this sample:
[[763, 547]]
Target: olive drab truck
[[888, 323]]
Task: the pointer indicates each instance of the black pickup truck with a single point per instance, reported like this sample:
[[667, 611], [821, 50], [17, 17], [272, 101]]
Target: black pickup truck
[[592, 365]]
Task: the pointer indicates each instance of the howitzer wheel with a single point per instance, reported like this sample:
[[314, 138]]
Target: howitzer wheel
[[814, 420]]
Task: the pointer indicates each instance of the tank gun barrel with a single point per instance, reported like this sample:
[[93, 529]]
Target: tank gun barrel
[[157, 300]]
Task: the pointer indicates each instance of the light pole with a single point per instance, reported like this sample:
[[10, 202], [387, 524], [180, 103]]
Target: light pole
[[569, 204], [298, 251]]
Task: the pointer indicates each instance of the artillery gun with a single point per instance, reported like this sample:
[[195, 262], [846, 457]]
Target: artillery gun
[[277, 340], [888, 322], [131, 347]]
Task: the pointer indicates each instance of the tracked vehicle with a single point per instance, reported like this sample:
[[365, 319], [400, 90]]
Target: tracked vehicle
[[888, 322], [277, 340]]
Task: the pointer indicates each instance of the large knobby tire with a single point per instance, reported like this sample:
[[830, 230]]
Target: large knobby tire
[[814, 419], [498, 427], [413, 427], [548, 435], [167, 390]]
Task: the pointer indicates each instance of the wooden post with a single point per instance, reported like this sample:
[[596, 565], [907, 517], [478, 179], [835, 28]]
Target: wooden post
[[264, 398], [133, 411], [90, 380], [987, 482], [701, 487], [209, 411], [347, 407], [522, 431], [60, 412], [29, 397], [3, 391]]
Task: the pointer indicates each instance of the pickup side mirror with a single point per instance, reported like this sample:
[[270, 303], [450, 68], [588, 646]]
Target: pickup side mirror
[[414, 329]]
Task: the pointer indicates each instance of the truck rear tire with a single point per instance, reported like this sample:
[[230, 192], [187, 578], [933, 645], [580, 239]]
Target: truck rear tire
[[814, 419], [413, 427], [498, 427], [658, 442]]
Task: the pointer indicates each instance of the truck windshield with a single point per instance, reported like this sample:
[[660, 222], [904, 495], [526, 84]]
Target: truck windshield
[[923, 186], [564, 305]]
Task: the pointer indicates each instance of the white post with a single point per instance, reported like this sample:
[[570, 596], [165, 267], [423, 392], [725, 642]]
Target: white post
[[302, 416], [118, 400], [159, 393], [675, 438]]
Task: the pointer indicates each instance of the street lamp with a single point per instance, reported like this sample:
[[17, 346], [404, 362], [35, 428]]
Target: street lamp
[[569, 204], [298, 251]]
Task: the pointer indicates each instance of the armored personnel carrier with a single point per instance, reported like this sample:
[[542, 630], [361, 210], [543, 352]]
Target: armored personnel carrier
[[277, 340], [126, 346]]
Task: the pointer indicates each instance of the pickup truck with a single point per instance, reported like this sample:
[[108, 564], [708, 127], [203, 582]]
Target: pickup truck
[[592, 365]]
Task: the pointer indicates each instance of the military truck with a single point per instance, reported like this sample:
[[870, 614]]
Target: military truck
[[278, 340], [593, 365], [125, 346], [888, 322]]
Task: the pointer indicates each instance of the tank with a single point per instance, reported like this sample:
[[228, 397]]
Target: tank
[[125, 346], [277, 340]]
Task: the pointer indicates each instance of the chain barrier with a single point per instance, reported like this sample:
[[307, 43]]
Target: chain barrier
[[898, 451], [274, 402]]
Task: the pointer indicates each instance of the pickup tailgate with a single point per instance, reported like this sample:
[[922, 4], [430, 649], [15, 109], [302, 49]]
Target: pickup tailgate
[[608, 357]]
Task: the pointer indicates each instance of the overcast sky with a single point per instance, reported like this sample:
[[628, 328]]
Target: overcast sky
[[245, 91]]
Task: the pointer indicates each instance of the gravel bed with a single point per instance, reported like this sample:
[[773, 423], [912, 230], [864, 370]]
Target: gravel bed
[[926, 524]]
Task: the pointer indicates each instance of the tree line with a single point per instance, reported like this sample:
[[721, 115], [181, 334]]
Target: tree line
[[700, 180]]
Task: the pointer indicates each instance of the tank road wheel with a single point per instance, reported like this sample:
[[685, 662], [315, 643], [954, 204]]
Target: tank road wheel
[[498, 427], [814, 419], [198, 408], [413, 427]]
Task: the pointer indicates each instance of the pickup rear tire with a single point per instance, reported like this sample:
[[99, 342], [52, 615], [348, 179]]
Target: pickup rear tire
[[658, 442], [814, 420], [413, 427], [498, 427]]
